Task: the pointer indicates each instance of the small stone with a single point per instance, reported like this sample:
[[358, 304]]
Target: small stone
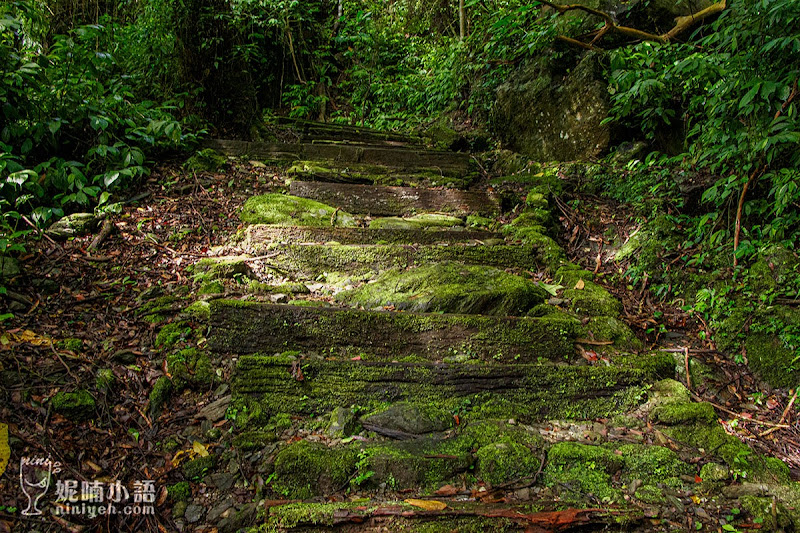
[[221, 390], [523, 494], [702, 514], [216, 410], [194, 513], [222, 481], [216, 511], [73, 225], [124, 357], [279, 298]]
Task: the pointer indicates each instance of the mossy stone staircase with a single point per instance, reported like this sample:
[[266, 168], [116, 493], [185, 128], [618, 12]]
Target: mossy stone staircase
[[407, 341]]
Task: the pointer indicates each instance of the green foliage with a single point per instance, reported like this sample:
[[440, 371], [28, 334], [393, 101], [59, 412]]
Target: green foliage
[[733, 89], [75, 126]]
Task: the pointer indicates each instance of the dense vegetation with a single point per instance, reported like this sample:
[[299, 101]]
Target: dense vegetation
[[93, 92]]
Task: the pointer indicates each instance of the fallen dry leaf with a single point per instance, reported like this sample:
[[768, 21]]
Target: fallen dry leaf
[[428, 505]]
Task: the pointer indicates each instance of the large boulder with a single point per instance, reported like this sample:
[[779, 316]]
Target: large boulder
[[552, 107], [550, 116]]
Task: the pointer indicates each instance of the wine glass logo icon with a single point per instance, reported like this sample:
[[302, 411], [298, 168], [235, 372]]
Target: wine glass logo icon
[[34, 480]]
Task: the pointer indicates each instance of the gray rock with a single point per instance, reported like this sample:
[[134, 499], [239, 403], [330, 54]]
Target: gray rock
[[548, 116], [216, 410], [222, 481], [194, 513], [244, 517], [408, 419], [73, 225], [216, 511]]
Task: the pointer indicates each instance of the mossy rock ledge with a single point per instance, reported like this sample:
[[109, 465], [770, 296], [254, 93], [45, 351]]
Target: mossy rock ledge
[[286, 210]]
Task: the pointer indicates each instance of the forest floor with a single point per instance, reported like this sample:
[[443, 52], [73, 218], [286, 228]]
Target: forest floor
[[70, 293]]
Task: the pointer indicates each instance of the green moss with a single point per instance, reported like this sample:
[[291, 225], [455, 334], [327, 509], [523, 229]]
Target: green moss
[[613, 329], [196, 469], [417, 222], [309, 303], [596, 457], [172, 333], [285, 210], [506, 460], [286, 288], [190, 367], [105, 379], [449, 287], [252, 326], [198, 311], [253, 440], [651, 494], [162, 390], [305, 469], [317, 261], [529, 393], [77, 406], [211, 269], [292, 515], [682, 413], [206, 160], [72, 344], [713, 472], [592, 299], [761, 511], [212, 287], [773, 360], [476, 221], [652, 464], [180, 491]]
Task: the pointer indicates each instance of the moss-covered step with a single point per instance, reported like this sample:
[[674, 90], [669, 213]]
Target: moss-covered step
[[248, 327], [371, 155], [396, 201], [314, 260], [287, 210], [334, 172], [525, 392], [309, 130], [449, 287], [460, 516], [259, 235]]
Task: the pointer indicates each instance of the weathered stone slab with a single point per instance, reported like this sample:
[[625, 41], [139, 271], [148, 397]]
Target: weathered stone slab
[[260, 234], [371, 155], [309, 130], [312, 260], [528, 392], [394, 201], [248, 327]]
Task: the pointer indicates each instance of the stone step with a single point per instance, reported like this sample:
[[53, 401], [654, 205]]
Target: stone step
[[524, 392], [310, 261], [335, 172], [397, 157], [396, 201], [261, 234], [248, 327], [309, 130]]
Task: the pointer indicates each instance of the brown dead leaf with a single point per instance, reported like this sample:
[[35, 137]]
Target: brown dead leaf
[[447, 490], [580, 285], [428, 505]]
